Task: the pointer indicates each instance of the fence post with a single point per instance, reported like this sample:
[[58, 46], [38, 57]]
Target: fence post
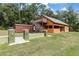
[[26, 34], [45, 33], [11, 35]]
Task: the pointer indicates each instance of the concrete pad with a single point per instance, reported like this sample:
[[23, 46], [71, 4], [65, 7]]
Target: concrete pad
[[19, 40]]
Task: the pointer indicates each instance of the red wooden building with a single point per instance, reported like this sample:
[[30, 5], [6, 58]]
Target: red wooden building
[[21, 27]]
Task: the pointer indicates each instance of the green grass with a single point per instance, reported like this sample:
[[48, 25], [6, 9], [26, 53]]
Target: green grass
[[60, 44]]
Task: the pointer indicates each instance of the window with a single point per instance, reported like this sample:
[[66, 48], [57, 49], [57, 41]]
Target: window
[[50, 26], [56, 26]]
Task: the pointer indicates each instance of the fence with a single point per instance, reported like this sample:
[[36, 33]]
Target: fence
[[12, 39]]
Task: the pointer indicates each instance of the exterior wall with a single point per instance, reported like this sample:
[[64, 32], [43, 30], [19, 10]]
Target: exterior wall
[[44, 20], [49, 23], [50, 30], [56, 30], [66, 29], [53, 30], [21, 27], [55, 24]]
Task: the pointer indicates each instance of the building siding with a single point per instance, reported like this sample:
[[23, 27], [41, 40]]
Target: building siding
[[56, 30], [20, 28], [66, 29]]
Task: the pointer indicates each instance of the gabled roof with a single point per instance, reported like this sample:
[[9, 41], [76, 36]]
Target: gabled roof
[[55, 20]]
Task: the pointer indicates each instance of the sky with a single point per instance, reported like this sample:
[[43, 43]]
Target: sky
[[59, 6]]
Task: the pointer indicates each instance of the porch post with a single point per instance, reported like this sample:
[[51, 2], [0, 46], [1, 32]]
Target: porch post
[[42, 22], [53, 28], [64, 28]]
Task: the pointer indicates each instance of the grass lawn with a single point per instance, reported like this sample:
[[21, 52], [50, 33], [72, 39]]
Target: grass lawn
[[60, 44]]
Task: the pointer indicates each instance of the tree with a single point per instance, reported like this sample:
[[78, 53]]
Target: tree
[[35, 10], [49, 13], [8, 15], [69, 17], [22, 13]]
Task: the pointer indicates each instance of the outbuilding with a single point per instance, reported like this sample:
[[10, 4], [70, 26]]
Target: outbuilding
[[52, 25], [21, 27]]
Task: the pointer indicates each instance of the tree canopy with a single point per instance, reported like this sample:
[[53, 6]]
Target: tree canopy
[[24, 13]]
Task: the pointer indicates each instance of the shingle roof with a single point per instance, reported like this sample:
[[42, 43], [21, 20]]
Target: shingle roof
[[55, 20]]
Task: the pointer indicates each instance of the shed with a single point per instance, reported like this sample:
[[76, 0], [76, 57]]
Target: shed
[[50, 24], [21, 27]]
